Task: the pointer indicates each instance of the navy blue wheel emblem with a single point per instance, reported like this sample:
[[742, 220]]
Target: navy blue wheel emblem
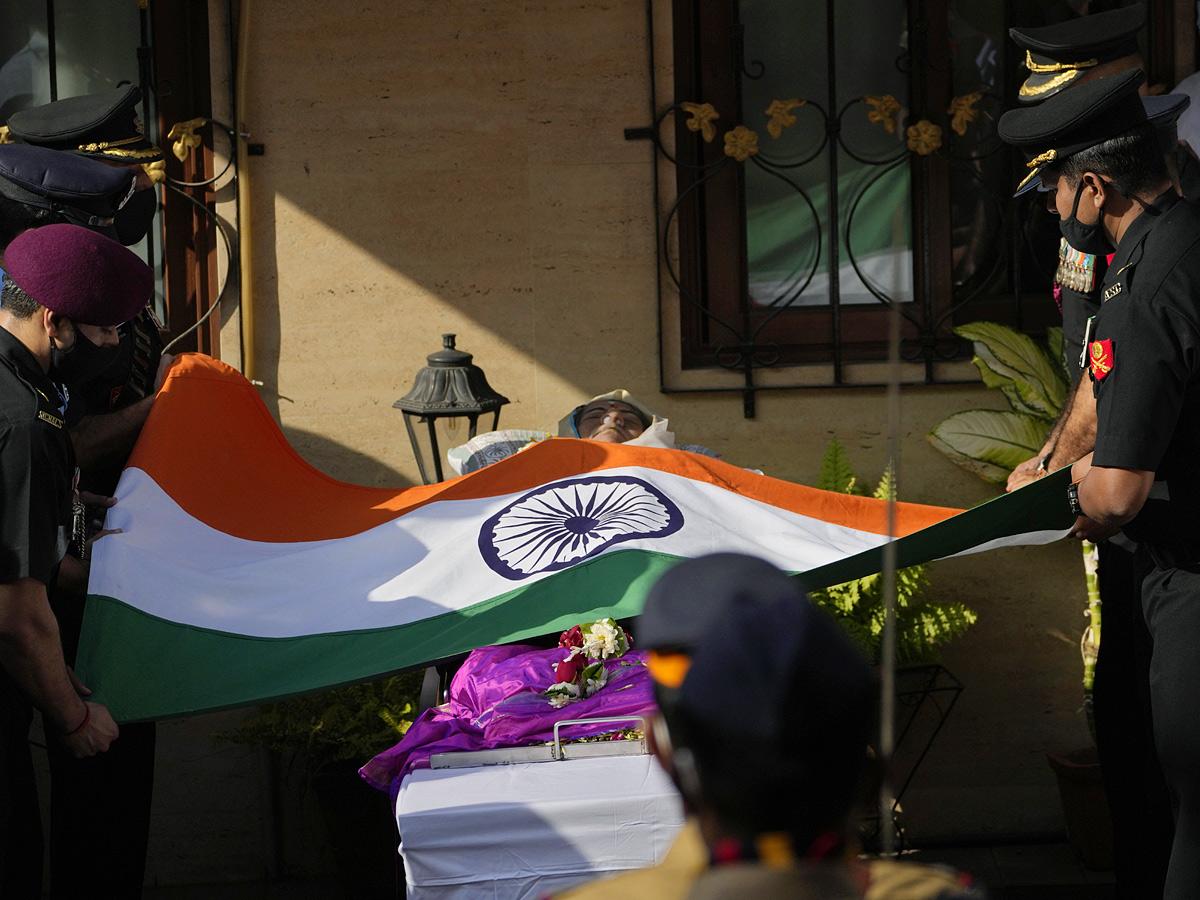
[[561, 524]]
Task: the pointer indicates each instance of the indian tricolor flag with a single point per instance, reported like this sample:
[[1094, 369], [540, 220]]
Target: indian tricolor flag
[[243, 574]]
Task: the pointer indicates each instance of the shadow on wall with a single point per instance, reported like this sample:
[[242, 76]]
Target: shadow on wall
[[451, 162], [340, 462]]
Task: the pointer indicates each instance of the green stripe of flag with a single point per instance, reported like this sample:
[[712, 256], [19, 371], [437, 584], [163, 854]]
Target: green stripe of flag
[[1040, 506], [144, 667]]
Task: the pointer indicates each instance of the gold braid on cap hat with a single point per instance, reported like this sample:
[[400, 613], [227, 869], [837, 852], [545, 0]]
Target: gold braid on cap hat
[[1042, 158], [1035, 165], [104, 148], [1067, 72], [111, 147], [1042, 68], [1053, 84]]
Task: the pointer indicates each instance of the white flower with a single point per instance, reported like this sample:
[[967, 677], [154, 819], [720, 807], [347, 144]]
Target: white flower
[[604, 639], [594, 678], [562, 693], [600, 640]]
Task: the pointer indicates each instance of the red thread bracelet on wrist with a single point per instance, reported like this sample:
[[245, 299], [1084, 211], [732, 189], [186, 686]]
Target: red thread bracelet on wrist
[[87, 717]]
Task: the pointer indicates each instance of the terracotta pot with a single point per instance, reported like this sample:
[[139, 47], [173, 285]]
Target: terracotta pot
[[1085, 808]]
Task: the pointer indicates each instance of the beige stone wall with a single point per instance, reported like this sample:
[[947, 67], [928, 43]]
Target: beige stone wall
[[461, 167]]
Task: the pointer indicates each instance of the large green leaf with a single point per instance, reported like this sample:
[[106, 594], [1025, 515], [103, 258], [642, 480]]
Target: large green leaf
[[989, 442], [1015, 364]]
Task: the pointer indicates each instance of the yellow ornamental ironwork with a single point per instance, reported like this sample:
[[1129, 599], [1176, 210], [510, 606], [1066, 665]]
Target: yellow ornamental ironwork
[[924, 137], [780, 112], [883, 111], [185, 137], [741, 143], [963, 112], [157, 170], [702, 116]]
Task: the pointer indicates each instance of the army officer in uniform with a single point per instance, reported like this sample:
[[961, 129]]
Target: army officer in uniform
[[1094, 149]]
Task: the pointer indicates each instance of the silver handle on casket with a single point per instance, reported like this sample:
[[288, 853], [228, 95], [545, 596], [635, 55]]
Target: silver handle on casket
[[556, 747]]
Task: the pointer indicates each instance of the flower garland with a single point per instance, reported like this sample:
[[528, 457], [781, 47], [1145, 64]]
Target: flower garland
[[582, 673]]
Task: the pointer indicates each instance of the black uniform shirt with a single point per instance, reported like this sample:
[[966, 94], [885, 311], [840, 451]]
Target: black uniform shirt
[[37, 465], [1077, 308], [1145, 365]]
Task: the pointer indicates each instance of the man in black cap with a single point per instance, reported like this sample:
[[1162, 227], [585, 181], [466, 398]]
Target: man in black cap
[[65, 291], [767, 721], [1061, 58], [1093, 148], [684, 609]]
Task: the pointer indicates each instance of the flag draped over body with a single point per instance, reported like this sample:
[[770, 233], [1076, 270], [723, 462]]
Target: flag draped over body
[[242, 574]]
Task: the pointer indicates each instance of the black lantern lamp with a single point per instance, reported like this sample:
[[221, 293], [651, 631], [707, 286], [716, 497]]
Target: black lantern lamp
[[449, 386]]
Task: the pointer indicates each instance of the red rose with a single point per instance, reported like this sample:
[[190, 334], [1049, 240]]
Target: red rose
[[572, 638], [568, 670]]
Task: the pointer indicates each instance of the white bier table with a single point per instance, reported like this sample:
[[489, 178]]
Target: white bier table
[[516, 832]]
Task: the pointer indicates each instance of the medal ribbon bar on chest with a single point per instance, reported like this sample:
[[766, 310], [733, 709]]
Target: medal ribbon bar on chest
[[1076, 270]]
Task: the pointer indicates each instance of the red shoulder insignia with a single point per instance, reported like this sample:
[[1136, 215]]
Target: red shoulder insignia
[[1101, 353]]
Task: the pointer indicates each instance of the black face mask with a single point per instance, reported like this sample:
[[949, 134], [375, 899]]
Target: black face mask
[[133, 219], [1085, 238], [83, 362]]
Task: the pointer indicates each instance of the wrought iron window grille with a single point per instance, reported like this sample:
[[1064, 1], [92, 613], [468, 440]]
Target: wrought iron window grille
[[939, 143]]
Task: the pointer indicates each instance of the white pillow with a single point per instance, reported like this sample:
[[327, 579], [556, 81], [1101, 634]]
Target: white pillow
[[493, 446]]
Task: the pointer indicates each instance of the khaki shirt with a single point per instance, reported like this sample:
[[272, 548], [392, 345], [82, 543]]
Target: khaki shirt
[[681, 869]]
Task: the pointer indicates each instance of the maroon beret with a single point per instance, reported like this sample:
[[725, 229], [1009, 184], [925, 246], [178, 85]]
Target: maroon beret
[[79, 274]]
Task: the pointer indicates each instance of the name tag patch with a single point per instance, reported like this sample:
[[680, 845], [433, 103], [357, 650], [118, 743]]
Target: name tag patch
[[53, 420], [1101, 355], [1112, 291]]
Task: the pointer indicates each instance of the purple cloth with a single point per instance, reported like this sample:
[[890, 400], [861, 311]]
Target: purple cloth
[[495, 700]]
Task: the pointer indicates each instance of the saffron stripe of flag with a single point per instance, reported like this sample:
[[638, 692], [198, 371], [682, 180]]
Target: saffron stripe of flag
[[242, 574]]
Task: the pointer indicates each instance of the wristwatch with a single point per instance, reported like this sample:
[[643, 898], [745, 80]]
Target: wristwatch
[[1073, 499]]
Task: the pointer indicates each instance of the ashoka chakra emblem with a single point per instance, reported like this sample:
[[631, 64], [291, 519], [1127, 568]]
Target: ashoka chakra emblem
[[564, 523]]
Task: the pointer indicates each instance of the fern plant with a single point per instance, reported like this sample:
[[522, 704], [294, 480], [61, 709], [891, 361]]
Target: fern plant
[[858, 605]]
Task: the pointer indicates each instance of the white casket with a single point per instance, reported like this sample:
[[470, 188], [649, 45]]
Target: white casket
[[519, 831]]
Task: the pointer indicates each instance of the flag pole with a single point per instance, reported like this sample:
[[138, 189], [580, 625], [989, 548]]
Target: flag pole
[[887, 655]]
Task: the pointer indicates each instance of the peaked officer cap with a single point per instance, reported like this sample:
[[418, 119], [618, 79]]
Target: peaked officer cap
[[83, 191], [1074, 120], [1164, 110], [1059, 55], [104, 126]]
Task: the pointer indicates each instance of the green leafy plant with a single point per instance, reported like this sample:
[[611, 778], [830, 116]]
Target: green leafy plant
[[348, 723], [991, 443], [859, 605]]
